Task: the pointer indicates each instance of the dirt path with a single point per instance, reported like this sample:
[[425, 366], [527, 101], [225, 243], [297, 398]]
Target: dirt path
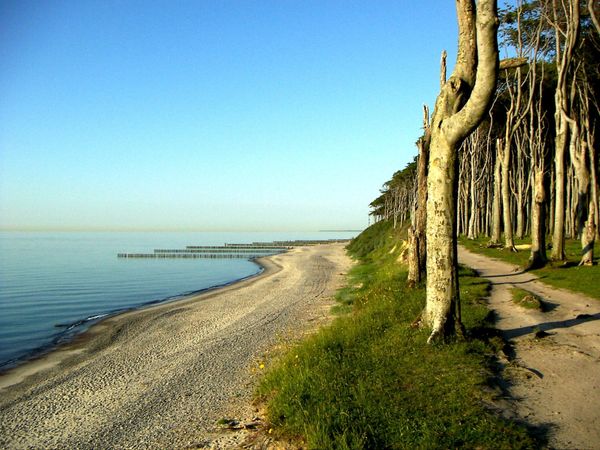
[[556, 379], [160, 378]]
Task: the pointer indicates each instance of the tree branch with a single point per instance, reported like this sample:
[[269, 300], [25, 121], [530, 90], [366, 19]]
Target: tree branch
[[595, 21], [443, 69], [466, 58], [464, 121], [512, 63]]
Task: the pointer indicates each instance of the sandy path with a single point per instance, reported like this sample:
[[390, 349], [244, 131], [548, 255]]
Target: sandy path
[[162, 377], [557, 378]]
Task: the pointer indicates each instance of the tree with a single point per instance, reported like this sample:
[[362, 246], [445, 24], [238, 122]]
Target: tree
[[417, 254], [537, 150], [461, 104], [564, 17]]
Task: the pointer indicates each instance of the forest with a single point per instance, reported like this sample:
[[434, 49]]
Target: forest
[[526, 163]]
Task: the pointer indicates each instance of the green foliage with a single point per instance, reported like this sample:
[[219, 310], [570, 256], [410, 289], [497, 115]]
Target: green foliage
[[371, 381], [567, 275], [401, 180]]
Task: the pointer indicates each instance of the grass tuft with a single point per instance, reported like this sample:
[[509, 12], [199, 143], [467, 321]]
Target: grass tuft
[[526, 299]]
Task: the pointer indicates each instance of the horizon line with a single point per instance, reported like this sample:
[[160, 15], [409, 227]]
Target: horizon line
[[172, 230]]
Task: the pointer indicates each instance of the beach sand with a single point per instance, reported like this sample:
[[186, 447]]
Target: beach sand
[[161, 377]]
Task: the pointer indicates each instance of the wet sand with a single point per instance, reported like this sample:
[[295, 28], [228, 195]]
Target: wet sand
[[162, 376]]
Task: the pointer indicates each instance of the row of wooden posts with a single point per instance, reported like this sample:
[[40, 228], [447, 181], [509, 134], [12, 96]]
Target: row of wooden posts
[[228, 251], [189, 255]]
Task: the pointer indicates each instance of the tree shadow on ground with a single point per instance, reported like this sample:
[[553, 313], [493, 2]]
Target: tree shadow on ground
[[519, 271], [514, 282], [548, 326]]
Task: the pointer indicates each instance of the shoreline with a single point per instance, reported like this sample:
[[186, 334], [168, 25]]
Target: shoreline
[[163, 377], [55, 354]]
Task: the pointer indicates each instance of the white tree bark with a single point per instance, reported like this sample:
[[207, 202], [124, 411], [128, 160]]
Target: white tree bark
[[537, 257], [473, 80], [565, 44], [496, 202]]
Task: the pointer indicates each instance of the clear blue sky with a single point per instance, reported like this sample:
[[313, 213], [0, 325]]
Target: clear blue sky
[[211, 114]]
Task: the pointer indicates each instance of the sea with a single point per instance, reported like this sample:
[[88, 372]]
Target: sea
[[55, 285]]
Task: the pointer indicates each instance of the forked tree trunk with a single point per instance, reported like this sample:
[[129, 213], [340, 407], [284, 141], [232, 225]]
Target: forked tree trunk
[[459, 109]]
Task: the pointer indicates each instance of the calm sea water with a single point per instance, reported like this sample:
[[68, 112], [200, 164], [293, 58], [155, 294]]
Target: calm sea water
[[55, 285]]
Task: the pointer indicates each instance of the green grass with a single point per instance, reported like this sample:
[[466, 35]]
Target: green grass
[[582, 279], [526, 299], [371, 381], [371, 239]]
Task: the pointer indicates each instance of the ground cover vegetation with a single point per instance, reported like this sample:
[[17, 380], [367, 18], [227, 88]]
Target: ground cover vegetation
[[565, 274], [370, 380]]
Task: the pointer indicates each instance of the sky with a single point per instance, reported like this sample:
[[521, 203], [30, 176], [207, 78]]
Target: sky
[[211, 114]]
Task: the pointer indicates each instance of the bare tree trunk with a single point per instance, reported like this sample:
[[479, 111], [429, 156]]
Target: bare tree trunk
[[535, 140], [593, 15], [588, 237], [496, 205], [551, 220], [473, 80], [417, 233], [520, 230], [565, 44], [593, 177], [578, 153], [506, 211], [580, 156], [558, 237], [538, 257], [474, 151], [488, 209], [522, 186], [569, 210], [413, 258], [422, 195]]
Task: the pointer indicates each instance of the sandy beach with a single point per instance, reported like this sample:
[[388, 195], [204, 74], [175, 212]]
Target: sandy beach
[[161, 377]]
